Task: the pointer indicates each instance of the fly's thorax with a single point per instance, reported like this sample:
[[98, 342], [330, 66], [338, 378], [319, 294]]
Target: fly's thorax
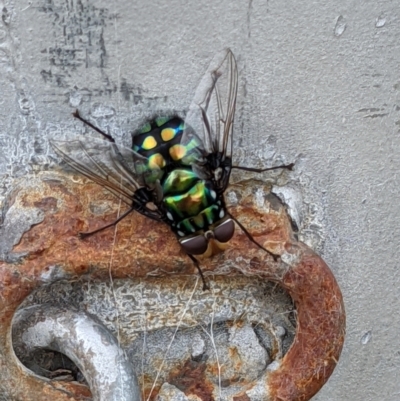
[[198, 215], [179, 181], [166, 141], [188, 200]]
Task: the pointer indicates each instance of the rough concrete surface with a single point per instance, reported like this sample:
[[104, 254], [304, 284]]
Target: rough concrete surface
[[318, 85]]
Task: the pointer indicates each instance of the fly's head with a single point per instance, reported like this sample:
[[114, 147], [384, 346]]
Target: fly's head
[[210, 241]]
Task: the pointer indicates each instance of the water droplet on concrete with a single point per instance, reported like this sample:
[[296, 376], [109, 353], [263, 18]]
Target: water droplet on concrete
[[366, 338], [380, 21], [340, 26]]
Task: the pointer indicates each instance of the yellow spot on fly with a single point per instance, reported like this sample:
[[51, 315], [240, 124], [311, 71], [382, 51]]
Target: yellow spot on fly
[[167, 134], [149, 143], [161, 121], [145, 128], [156, 161], [177, 152]]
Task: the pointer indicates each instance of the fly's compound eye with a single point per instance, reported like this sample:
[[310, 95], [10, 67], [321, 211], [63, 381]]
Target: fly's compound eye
[[195, 245], [224, 232]]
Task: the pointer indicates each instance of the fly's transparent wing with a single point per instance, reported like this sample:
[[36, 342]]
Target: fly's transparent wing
[[213, 107], [102, 162]]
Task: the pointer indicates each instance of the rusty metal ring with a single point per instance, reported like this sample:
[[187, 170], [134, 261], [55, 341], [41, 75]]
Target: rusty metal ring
[[51, 249]]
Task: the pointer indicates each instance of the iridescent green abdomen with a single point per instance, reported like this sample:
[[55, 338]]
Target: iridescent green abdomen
[[190, 202], [160, 143]]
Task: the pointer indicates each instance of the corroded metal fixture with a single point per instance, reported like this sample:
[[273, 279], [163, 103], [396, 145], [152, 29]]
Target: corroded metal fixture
[[77, 335], [43, 216]]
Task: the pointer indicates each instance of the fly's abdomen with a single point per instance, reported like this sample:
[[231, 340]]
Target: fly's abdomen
[[190, 202], [159, 142]]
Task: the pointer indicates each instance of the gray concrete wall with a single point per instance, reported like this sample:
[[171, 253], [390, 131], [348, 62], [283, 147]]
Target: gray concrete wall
[[319, 86]]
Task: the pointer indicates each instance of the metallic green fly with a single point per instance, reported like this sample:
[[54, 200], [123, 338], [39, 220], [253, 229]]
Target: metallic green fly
[[173, 174]]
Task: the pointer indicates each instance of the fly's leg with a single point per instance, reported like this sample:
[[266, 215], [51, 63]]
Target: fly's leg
[[250, 237], [114, 223], [260, 170], [140, 198], [138, 207], [106, 136], [226, 167], [197, 264]]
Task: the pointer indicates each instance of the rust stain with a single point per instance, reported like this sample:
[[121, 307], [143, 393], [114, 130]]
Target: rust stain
[[191, 379], [47, 203], [243, 397], [146, 383], [236, 358]]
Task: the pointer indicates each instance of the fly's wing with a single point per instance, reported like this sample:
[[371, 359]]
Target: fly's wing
[[212, 111], [102, 162]]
